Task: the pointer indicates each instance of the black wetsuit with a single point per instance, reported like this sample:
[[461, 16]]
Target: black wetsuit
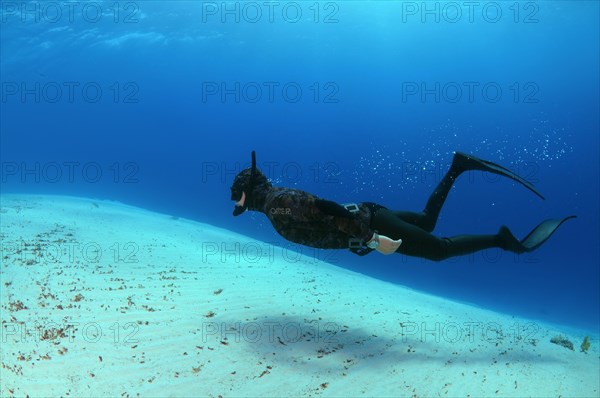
[[304, 218]]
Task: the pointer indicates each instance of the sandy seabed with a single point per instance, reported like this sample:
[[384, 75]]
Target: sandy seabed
[[103, 299]]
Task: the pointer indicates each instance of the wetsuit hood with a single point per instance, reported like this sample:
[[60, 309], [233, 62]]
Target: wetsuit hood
[[254, 183]]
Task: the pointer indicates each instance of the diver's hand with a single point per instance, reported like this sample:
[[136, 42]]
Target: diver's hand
[[388, 245]]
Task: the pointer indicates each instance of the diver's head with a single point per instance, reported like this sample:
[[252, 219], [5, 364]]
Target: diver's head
[[247, 185]]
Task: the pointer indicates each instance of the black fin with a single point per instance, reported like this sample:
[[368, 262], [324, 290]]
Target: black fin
[[541, 233], [470, 162]]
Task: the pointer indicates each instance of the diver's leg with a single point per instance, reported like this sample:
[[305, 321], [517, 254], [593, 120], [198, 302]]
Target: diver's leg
[[438, 197], [418, 219], [461, 162], [429, 216], [418, 242]]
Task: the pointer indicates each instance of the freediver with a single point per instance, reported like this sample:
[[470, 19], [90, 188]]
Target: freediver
[[305, 219]]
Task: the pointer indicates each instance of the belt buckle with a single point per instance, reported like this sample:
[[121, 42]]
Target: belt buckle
[[355, 243], [352, 207]]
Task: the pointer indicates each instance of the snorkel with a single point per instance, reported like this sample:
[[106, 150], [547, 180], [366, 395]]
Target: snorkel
[[248, 189]]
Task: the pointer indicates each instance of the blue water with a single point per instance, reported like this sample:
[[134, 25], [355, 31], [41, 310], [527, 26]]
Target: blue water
[[353, 101]]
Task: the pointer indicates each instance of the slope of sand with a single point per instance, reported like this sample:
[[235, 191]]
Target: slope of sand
[[103, 299]]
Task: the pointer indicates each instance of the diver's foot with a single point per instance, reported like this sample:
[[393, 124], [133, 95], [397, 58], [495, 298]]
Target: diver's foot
[[507, 241]]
